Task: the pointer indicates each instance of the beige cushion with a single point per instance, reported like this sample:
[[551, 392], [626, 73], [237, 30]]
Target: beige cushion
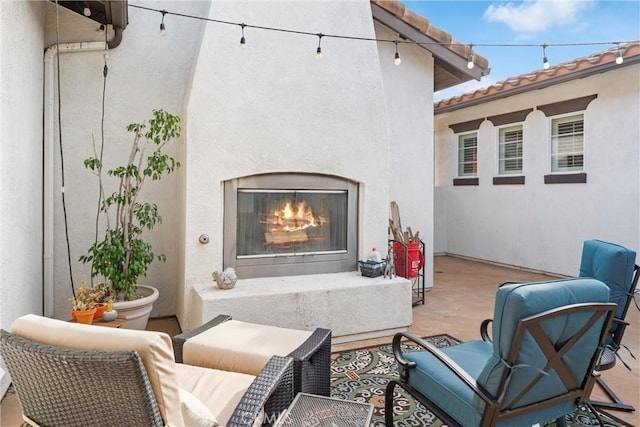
[[194, 412], [241, 347], [154, 349], [220, 391]]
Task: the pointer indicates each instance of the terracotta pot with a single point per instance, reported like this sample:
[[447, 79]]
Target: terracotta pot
[[85, 316], [100, 307]]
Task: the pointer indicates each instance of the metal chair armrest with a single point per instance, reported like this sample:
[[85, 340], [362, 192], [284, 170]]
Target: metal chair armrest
[[484, 330], [621, 325], [469, 381]]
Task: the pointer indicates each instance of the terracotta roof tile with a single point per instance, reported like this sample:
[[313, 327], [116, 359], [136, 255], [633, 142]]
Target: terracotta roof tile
[[395, 7], [561, 72], [420, 23]]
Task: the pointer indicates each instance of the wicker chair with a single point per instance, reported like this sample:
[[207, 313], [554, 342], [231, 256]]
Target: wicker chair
[[311, 359], [61, 386]]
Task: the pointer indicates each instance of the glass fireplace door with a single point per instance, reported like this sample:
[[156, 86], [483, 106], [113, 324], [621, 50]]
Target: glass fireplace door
[[288, 224], [275, 222]]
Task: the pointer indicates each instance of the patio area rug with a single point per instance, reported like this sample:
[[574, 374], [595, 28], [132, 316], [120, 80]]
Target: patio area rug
[[362, 375]]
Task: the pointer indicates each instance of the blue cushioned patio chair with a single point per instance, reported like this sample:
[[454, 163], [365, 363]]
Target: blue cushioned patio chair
[[614, 265], [539, 367]]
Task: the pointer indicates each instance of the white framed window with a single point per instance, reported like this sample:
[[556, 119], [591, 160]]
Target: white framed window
[[567, 144], [468, 154], [510, 150]]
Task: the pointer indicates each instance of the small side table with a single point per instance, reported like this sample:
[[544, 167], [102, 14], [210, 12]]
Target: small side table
[[118, 323], [321, 411]]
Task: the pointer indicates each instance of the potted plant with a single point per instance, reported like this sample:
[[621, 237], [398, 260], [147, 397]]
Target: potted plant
[[109, 314], [101, 291], [122, 255], [85, 301]]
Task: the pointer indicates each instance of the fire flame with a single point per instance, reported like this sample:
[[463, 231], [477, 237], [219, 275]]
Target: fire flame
[[292, 218], [287, 223]]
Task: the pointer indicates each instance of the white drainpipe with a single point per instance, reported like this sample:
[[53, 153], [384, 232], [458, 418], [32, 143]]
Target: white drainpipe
[[49, 150]]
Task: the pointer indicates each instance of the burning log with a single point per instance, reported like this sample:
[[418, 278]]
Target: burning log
[[285, 237]]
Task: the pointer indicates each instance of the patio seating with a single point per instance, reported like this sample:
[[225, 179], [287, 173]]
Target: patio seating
[[231, 345], [615, 266], [540, 366], [68, 374]]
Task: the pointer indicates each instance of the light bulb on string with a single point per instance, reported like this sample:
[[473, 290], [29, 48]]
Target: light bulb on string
[[163, 29], [86, 10], [619, 58], [242, 39], [397, 60], [470, 63], [545, 60], [319, 49]]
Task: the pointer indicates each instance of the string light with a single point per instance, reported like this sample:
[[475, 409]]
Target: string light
[[242, 39], [163, 29], [319, 49], [545, 60], [87, 9], [397, 60], [470, 63], [619, 58]]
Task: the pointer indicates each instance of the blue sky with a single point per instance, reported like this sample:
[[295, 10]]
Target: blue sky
[[530, 22]]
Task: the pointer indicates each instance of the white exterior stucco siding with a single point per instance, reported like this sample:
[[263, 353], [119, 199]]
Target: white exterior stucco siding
[[21, 47], [145, 72], [409, 97], [272, 107], [537, 225]]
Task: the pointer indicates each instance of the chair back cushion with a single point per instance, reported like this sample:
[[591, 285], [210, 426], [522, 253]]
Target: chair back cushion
[[611, 264], [518, 301], [154, 349]]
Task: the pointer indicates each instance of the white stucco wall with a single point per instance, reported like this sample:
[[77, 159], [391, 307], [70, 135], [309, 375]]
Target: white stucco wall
[[542, 226], [272, 107], [21, 46], [146, 72], [268, 108], [409, 96]]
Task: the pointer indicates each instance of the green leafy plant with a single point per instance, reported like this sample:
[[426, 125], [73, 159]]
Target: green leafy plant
[[122, 256]]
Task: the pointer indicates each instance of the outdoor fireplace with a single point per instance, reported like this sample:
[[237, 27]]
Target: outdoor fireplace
[[290, 224]]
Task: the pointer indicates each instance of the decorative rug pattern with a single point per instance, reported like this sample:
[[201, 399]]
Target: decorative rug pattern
[[362, 375]]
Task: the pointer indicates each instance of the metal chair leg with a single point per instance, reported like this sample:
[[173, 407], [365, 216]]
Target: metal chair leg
[[388, 404], [615, 403], [595, 413]]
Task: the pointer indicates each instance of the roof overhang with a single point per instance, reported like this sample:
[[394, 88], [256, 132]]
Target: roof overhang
[[450, 57], [107, 12]]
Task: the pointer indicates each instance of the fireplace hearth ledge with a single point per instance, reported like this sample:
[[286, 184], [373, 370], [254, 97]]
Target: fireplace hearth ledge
[[352, 306]]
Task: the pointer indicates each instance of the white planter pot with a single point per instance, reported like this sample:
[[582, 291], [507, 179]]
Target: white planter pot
[[136, 312]]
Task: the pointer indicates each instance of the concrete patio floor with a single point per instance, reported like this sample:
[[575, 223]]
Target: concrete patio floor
[[461, 298]]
